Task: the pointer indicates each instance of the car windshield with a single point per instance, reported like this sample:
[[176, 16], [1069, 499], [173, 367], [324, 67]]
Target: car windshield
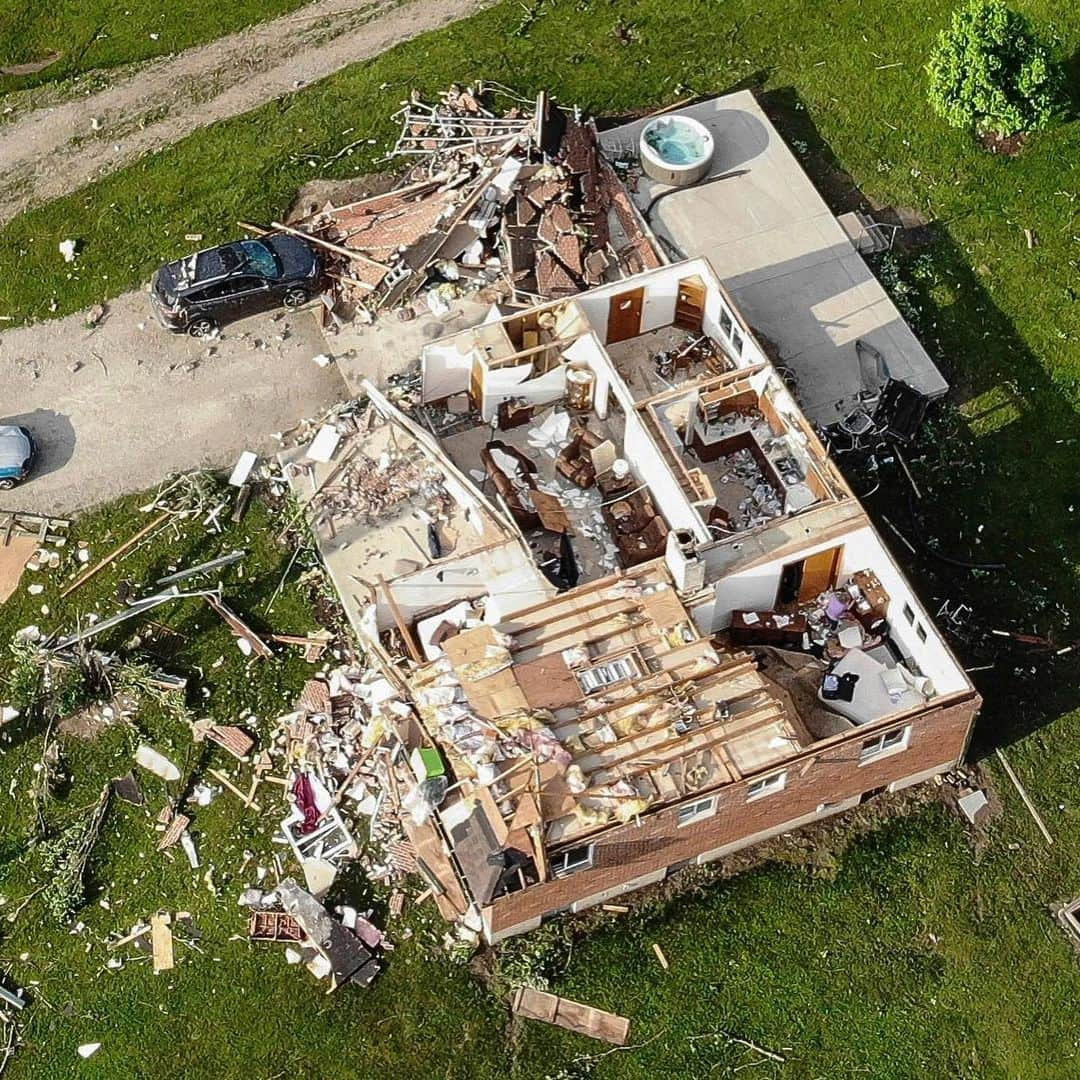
[[257, 258]]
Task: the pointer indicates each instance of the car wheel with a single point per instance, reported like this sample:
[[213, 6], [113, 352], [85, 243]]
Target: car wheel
[[202, 327], [295, 298], [6, 484]]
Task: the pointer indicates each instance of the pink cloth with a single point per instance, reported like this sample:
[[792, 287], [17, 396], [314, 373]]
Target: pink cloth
[[304, 795]]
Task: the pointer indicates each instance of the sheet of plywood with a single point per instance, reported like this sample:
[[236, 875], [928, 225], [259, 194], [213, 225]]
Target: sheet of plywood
[[162, 942], [14, 555], [572, 1015]]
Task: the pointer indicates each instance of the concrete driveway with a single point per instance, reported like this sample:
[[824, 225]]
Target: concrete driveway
[[117, 408]]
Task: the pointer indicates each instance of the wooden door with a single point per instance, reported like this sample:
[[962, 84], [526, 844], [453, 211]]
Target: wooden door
[[802, 581], [690, 304], [819, 574], [624, 315]]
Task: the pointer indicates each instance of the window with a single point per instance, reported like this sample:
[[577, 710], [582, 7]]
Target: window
[[767, 785], [259, 259], [920, 633], [228, 287], [603, 675], [570, 862], [736, 342], [725, 322], [696, 811], [909, 614], [890, 742]]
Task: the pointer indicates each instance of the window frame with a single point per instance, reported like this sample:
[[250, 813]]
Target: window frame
[[765, 786], [607, 665], [562, 868], [868, 754], [696, 810]]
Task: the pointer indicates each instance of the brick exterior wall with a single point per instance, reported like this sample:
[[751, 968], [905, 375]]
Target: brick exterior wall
[[830, 776]]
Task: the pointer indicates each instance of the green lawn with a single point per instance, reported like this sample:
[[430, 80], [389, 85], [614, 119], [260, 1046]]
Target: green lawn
[[97, 34], [920, 957]]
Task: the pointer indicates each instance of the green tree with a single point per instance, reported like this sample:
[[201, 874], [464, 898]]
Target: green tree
[[989, 72]]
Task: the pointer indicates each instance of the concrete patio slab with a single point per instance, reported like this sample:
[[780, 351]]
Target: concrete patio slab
[[788, 263]]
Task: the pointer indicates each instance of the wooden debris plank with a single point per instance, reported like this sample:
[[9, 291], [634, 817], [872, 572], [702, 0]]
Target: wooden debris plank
[[46, 530], [572, 1015], [172, 833], [223, 779], [660, 956], [113, 555], [240, 628], [161, 940]]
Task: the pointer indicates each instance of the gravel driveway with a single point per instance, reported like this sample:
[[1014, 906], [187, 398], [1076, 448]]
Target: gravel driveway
[[50, 151], [117, 408]]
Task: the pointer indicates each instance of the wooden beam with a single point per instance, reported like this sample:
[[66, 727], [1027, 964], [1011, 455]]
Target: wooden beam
[[769, 711], [113, 555], [338, 249], [399, 620], [223, 779]]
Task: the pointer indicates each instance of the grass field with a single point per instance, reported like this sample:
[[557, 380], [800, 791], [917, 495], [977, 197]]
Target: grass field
[[96, 34], [920, 956]]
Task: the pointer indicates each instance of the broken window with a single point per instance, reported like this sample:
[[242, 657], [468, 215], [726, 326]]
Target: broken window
[[696, 811], [571, 861], [767, 785], [881, 744], [603, 675]]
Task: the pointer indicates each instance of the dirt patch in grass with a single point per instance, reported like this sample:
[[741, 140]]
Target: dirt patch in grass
[[1006, 145], [90, 722], [315, 194]]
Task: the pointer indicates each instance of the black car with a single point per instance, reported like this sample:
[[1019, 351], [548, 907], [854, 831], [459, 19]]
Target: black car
[[202, 292]]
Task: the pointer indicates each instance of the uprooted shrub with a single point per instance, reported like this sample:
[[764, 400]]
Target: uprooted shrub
[[989, 72]]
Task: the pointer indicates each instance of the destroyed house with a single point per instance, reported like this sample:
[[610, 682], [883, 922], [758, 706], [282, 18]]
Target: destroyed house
[[654, 625]]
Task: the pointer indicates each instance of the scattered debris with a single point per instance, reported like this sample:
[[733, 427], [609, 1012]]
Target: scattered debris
[[336, 952], [87, 1050]]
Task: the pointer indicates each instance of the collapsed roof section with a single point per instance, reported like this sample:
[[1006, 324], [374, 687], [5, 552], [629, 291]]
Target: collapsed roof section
[[399, 526], [522, 204], [591, 710]]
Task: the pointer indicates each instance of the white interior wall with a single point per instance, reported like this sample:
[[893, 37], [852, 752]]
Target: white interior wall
[[714, 305], [755, 588], [648, 465], [499, 385], [446, 369], [661, 293], [933, 656]]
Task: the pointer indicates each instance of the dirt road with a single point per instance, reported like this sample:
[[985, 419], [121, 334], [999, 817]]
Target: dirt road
[[52, 151], [117, 408]]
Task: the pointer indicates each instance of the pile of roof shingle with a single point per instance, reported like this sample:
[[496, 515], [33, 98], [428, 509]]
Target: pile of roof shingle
[[521, 201]]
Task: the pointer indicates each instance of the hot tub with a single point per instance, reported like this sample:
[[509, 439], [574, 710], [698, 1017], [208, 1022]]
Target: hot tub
[[676, 150]]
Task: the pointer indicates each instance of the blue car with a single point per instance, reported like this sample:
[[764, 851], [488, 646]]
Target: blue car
[[16, 455]]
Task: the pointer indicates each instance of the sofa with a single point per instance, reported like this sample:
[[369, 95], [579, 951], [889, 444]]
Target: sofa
[[513, 476]]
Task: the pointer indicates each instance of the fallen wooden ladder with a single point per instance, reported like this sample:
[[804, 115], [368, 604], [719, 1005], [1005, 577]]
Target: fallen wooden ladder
[[46, 530]]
